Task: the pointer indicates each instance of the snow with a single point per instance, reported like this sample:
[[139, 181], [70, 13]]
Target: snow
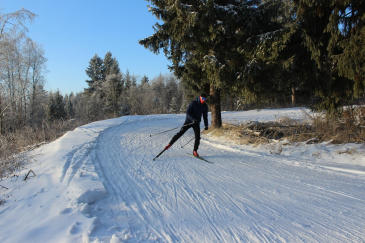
[[99, 183]]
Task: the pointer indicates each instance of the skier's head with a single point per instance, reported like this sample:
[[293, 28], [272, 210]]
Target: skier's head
[[203, 98]]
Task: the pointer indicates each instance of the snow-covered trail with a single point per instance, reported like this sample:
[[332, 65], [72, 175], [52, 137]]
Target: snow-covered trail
[[99, 183], [242, 197]]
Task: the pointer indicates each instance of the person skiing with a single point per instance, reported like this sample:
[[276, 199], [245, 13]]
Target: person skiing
[[196, 109]]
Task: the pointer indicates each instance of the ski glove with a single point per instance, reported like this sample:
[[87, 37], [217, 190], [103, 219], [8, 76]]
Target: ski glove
[[206, 128]]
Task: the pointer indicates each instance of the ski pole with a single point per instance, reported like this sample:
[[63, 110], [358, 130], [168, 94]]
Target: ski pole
[[159, 154], [187, 142], [170, 130], [164, 131]]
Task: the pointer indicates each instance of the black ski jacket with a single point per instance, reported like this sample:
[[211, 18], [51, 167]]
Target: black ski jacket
[[195, 111]]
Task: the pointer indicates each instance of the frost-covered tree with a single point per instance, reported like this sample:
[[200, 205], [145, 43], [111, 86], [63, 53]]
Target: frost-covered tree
[[113, 92], [69, 106], [158, 91], [35, 67], [11, 23], [173, 106], [113, 85], [22, 65], [128, 80]]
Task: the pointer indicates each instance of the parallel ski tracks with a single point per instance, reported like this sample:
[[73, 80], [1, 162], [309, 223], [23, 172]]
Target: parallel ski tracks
[[243, 196]]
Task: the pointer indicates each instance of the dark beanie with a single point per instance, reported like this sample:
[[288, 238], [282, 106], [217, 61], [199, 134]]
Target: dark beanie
[[203, 95]]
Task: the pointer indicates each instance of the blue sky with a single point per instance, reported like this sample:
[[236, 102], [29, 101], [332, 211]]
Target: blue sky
[[71, 32]]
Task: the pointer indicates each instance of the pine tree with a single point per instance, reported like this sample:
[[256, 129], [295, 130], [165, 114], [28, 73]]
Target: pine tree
[[128, 80], [144, 80], [113, 86], [347, 42], [333, 34], [96, 72], [56, 107], [113, 91], [109, 62]]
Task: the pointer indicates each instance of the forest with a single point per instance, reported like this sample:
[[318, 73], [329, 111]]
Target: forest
[[245, 54]]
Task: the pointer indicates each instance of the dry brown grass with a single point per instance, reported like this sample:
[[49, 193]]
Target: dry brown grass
[[348, 128], [13, 145]]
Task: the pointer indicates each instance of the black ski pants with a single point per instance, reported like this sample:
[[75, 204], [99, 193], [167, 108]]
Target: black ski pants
[[186, 127]]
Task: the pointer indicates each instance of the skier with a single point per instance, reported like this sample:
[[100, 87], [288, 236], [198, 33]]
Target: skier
[[194, 112]]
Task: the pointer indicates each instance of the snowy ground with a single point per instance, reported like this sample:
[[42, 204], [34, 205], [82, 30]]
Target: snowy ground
[[98, 183]]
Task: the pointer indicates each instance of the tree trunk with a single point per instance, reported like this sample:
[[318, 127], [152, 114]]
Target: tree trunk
[[215, 106], [293, 96]]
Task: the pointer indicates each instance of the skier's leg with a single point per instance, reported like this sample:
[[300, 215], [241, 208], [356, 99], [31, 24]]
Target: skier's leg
[[179, 134], [197, 136]]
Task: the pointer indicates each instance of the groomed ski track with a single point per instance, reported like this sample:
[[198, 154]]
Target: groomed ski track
[[244, 196]]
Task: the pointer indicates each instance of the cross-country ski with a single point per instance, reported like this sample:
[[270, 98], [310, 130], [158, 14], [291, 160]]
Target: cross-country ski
[[201, 158]]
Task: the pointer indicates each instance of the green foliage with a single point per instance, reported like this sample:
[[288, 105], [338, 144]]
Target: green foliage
[[56, 107], [333, 33], [207, 41], [300, 50], [96, 72]]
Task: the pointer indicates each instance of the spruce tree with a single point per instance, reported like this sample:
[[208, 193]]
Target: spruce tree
[[203, 40], [56, 107], [109, 63], [112, 88], [96, 72], [347, 42], [333, 34], [144, 80], [128, 80]]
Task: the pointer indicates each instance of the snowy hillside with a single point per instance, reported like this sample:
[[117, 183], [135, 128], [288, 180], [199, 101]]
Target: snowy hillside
[[99, 183]]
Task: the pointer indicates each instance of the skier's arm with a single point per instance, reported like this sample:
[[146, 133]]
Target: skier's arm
[[189, 113]]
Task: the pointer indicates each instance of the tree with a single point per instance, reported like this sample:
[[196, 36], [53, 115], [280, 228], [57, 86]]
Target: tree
[[146, 96], [96, 72], [172, 94], [128, 80], [35, 66], [203, 40], [15, 23], [333, 34], [347, 42], [56, 107], [158, 90], [69, 106], [144, 80], [113, 85], [113, 90], [22, 65]]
